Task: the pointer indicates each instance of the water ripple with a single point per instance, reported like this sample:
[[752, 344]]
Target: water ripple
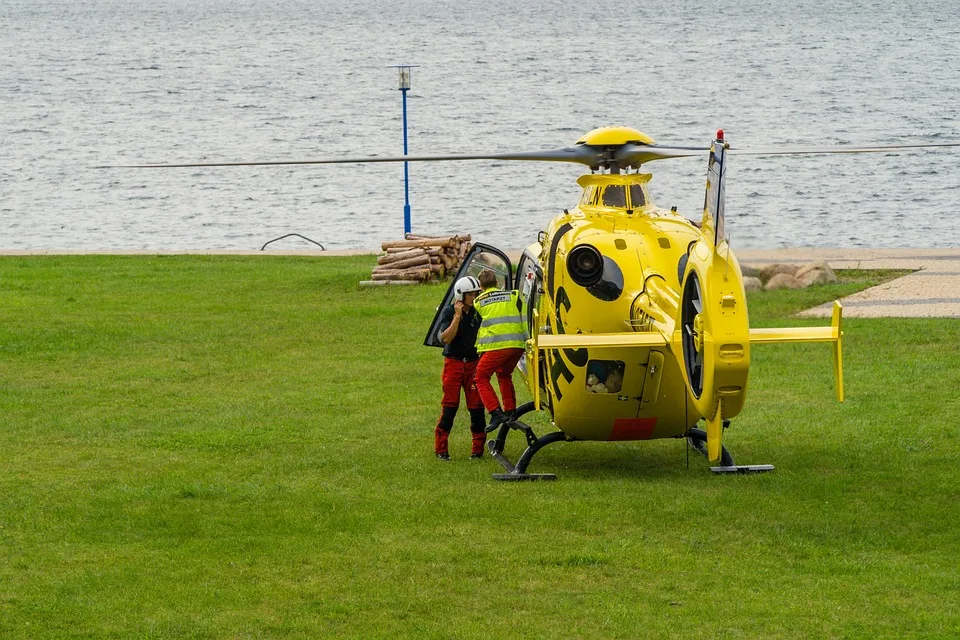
[[126, 82]]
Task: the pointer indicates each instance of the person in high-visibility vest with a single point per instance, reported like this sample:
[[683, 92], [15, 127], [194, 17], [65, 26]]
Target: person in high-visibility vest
[[500, 344]]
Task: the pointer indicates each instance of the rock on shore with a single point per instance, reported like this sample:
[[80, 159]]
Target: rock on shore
[[787, 276]]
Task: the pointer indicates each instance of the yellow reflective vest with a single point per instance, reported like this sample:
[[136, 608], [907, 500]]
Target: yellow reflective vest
[[501, 326]]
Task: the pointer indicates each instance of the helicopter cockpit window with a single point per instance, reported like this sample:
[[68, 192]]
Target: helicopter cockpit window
[[636, 196], [489, 261], [614, 196], [605, 376]]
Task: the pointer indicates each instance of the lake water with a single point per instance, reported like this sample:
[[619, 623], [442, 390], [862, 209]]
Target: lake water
[[88, 83]]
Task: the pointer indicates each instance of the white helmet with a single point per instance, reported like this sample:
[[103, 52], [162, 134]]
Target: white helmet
[[465, 285]]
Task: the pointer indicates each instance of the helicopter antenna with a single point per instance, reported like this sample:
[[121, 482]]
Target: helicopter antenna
[[726, 268]]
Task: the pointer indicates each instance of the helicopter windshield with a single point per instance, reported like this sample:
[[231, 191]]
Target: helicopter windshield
[[614, 196], [636, 196]]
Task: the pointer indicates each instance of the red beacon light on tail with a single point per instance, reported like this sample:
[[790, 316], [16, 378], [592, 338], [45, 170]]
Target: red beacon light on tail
[[720, 135]]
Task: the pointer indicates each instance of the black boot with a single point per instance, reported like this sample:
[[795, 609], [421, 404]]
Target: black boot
[[478, 432], [497, 418], [442, 432]]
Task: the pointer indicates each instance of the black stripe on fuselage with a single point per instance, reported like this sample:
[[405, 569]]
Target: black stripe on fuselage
[[552, 257]]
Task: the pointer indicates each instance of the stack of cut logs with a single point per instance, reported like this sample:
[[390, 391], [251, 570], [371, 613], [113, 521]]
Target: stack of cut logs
[[420, 258]]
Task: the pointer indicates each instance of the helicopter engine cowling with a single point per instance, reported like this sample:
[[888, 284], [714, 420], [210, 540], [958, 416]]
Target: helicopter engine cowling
[[714, 336]]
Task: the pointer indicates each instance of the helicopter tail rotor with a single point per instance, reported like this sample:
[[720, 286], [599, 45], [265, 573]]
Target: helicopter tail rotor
[[715, 335], [714, 339], [715, 331]]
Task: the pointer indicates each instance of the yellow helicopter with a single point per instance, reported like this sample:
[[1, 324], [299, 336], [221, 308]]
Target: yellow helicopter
[[636, 318]]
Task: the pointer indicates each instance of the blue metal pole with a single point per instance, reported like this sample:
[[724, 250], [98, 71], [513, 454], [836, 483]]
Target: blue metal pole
[[406, 170]]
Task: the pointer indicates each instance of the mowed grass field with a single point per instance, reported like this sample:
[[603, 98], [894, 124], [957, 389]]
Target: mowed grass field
[[241, 447]]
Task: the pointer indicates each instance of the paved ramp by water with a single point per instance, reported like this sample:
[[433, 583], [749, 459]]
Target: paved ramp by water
[[933, 291]]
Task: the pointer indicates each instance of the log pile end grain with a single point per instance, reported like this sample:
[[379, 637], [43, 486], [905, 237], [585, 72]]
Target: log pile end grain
[[419, 258]]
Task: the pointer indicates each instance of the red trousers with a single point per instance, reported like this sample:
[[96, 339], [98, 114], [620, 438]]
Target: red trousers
[[502, 362], [457, 375]]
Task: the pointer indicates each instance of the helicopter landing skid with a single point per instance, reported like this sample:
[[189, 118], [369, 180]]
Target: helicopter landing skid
[[518, 472], [744, 468]]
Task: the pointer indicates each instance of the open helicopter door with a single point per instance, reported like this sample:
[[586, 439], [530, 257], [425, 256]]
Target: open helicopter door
[[530, 285], [481, 256]]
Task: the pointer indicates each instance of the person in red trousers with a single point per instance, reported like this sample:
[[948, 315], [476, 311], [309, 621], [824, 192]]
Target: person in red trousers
[[459, 324], [500, 343]]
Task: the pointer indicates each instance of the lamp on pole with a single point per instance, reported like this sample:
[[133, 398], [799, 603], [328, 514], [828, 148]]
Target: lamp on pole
[[404, 87]]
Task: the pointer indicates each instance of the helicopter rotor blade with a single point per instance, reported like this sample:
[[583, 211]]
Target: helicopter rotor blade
[[696, 300], [823, 150], [697, 305], [582, 154], [633, 154]]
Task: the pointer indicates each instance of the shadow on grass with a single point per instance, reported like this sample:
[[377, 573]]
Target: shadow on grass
[[601, 461]]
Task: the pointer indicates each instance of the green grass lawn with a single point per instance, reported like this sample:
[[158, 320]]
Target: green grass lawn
[[241, 447]]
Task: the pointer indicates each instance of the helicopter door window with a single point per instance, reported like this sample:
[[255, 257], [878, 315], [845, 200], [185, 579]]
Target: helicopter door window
[[589, 196], [605, 376], [637, 198], [533, 302], [526, 272], [614, 196], [528, 283], [481, 256], [493, 263]]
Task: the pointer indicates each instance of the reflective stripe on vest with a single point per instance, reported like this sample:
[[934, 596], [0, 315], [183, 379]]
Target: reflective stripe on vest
[[503, 320], [508, 337], [502, 326]]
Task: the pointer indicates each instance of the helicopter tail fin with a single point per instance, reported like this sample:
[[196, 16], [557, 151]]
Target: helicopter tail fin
[[712, 225]]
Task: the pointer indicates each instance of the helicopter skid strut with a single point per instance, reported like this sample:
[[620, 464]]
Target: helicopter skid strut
[[698, 442], [518, 472]]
